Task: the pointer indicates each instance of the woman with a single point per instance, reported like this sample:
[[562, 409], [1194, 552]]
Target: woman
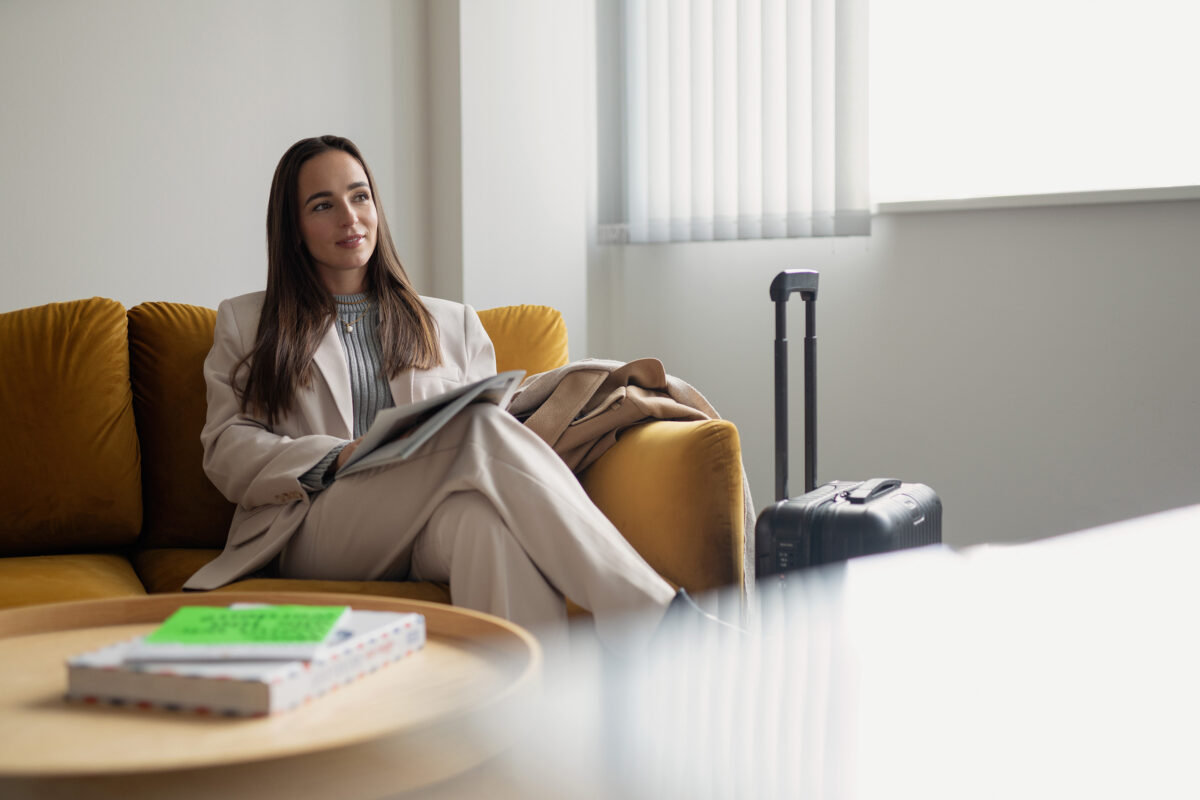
[[295, 377]]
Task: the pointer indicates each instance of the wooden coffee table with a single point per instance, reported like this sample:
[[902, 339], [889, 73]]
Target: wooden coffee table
[[433, 715]]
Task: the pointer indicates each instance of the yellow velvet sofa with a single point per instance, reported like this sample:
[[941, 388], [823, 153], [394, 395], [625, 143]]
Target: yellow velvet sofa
[[102, 492]]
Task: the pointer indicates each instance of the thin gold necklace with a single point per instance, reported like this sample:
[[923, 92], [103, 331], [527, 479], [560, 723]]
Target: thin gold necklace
[[349, 326]]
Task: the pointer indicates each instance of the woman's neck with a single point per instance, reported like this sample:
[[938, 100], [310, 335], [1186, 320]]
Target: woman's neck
[[344, 282]]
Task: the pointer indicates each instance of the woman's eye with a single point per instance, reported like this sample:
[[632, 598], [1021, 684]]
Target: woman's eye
[[362, 197], [320, 206]]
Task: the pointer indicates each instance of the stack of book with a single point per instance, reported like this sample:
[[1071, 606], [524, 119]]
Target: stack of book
[[244, 659]]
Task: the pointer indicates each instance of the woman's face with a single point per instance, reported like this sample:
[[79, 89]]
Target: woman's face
[[338, 221]]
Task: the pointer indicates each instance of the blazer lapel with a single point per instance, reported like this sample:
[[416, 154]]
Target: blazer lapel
[[330, 359], [403, 388]]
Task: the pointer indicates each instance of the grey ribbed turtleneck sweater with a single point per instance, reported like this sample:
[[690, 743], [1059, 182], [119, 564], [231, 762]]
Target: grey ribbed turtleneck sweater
[[358, 328]]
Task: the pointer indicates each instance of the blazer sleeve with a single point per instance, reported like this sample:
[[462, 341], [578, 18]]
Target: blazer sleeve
[[246, 460], [481, 354]]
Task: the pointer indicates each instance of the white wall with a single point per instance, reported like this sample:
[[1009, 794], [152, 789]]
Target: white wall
[[143, 136], [411, 212], [445, 149], [140, 136], [524, 166], [1036, 366]]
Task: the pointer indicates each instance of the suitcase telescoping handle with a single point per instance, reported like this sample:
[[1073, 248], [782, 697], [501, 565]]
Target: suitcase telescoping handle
[[803, 281]]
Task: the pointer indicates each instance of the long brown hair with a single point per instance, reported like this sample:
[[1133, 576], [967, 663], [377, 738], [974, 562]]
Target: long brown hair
[[298, 310]]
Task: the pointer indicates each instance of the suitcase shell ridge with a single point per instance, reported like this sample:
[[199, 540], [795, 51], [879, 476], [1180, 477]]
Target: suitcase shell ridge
[[825, 526]]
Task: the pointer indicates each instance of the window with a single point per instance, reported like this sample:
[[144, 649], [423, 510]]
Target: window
[[732, 119], [1021, 97]]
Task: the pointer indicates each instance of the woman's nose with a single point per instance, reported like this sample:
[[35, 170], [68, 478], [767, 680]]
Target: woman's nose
[[348, 215]]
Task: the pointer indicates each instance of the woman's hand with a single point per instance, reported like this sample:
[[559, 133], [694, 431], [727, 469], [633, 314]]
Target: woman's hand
[[346, 451]]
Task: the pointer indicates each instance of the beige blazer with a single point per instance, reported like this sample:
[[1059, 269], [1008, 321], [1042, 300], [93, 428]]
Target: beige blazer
[[259, 467], [581, 409]]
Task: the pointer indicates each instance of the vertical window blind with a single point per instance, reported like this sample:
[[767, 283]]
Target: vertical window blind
[[744, 119]]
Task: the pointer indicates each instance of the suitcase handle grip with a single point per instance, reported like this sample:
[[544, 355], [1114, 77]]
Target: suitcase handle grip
[[869, 490], [794, 280]]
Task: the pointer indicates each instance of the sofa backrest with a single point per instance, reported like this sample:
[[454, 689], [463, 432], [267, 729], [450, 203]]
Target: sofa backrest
[[532, 338], [69, 463], [167, 346]]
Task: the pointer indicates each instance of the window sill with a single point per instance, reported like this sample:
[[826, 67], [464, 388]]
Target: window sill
[[1157, 194]]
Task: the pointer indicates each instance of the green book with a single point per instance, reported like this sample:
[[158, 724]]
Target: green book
[[242, 631]]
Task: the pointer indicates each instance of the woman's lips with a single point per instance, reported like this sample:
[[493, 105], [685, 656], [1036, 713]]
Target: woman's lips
[[351, 241]]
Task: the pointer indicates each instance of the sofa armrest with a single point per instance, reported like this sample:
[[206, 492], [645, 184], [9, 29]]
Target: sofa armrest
[[675, 490]]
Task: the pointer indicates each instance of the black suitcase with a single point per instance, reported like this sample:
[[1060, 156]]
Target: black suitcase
[[840, 519]]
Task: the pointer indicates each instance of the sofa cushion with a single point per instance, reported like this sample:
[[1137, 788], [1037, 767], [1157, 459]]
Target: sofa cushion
[[532, 338], [166, 569], [409, 590], [69, 472], [167, 346], [30, 580]]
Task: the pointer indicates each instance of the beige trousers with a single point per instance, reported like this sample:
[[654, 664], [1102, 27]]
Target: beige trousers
[[487, 506]]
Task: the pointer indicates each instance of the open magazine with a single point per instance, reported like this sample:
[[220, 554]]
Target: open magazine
[[396, 433]]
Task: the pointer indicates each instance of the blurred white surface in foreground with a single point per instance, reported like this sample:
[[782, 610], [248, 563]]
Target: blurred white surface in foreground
[[1067, 667]]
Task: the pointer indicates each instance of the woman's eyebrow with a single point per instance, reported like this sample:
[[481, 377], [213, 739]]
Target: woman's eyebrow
[[315, 195]]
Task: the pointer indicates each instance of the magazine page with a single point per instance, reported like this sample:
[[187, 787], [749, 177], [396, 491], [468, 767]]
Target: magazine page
[[396, 433]]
